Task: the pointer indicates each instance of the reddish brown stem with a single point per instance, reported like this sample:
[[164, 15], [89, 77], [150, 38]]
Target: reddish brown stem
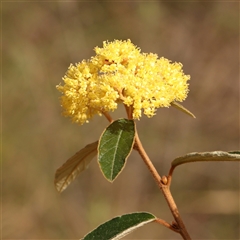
[[164, 186], [108, 117], [166, 224], [170, 176], [129, 111], [146, 159]]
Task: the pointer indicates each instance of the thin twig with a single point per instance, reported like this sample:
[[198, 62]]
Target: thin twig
[[163, 185], [169, 177], [173, 207], [146, 159], [166, 224], [129, 111], [107, 115]]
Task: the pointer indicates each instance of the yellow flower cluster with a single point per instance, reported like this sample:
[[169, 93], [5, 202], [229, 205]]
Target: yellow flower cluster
[[120, 73]]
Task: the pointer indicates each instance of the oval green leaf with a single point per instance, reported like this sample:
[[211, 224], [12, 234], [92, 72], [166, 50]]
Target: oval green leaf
[[114, 147], [207, 156], [74, 166], [120, 226]]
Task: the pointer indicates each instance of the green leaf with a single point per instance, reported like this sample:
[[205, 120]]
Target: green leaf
[[207, 156], [121, 226], [74, 166], [114, 147]]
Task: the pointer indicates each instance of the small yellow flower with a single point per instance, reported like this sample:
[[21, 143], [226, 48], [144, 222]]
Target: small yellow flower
[[120, 73]]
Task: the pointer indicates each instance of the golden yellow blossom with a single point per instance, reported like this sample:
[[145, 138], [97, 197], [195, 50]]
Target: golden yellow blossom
[[120, 73]]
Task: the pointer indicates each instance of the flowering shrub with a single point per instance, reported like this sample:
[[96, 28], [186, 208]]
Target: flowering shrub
[[120, 73]]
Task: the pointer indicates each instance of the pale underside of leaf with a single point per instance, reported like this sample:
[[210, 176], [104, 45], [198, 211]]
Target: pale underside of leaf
[[207, 156], [131, 229], [182, 108], [74, 166]]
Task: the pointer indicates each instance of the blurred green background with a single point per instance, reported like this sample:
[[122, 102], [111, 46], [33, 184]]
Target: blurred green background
[[40, 40]]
